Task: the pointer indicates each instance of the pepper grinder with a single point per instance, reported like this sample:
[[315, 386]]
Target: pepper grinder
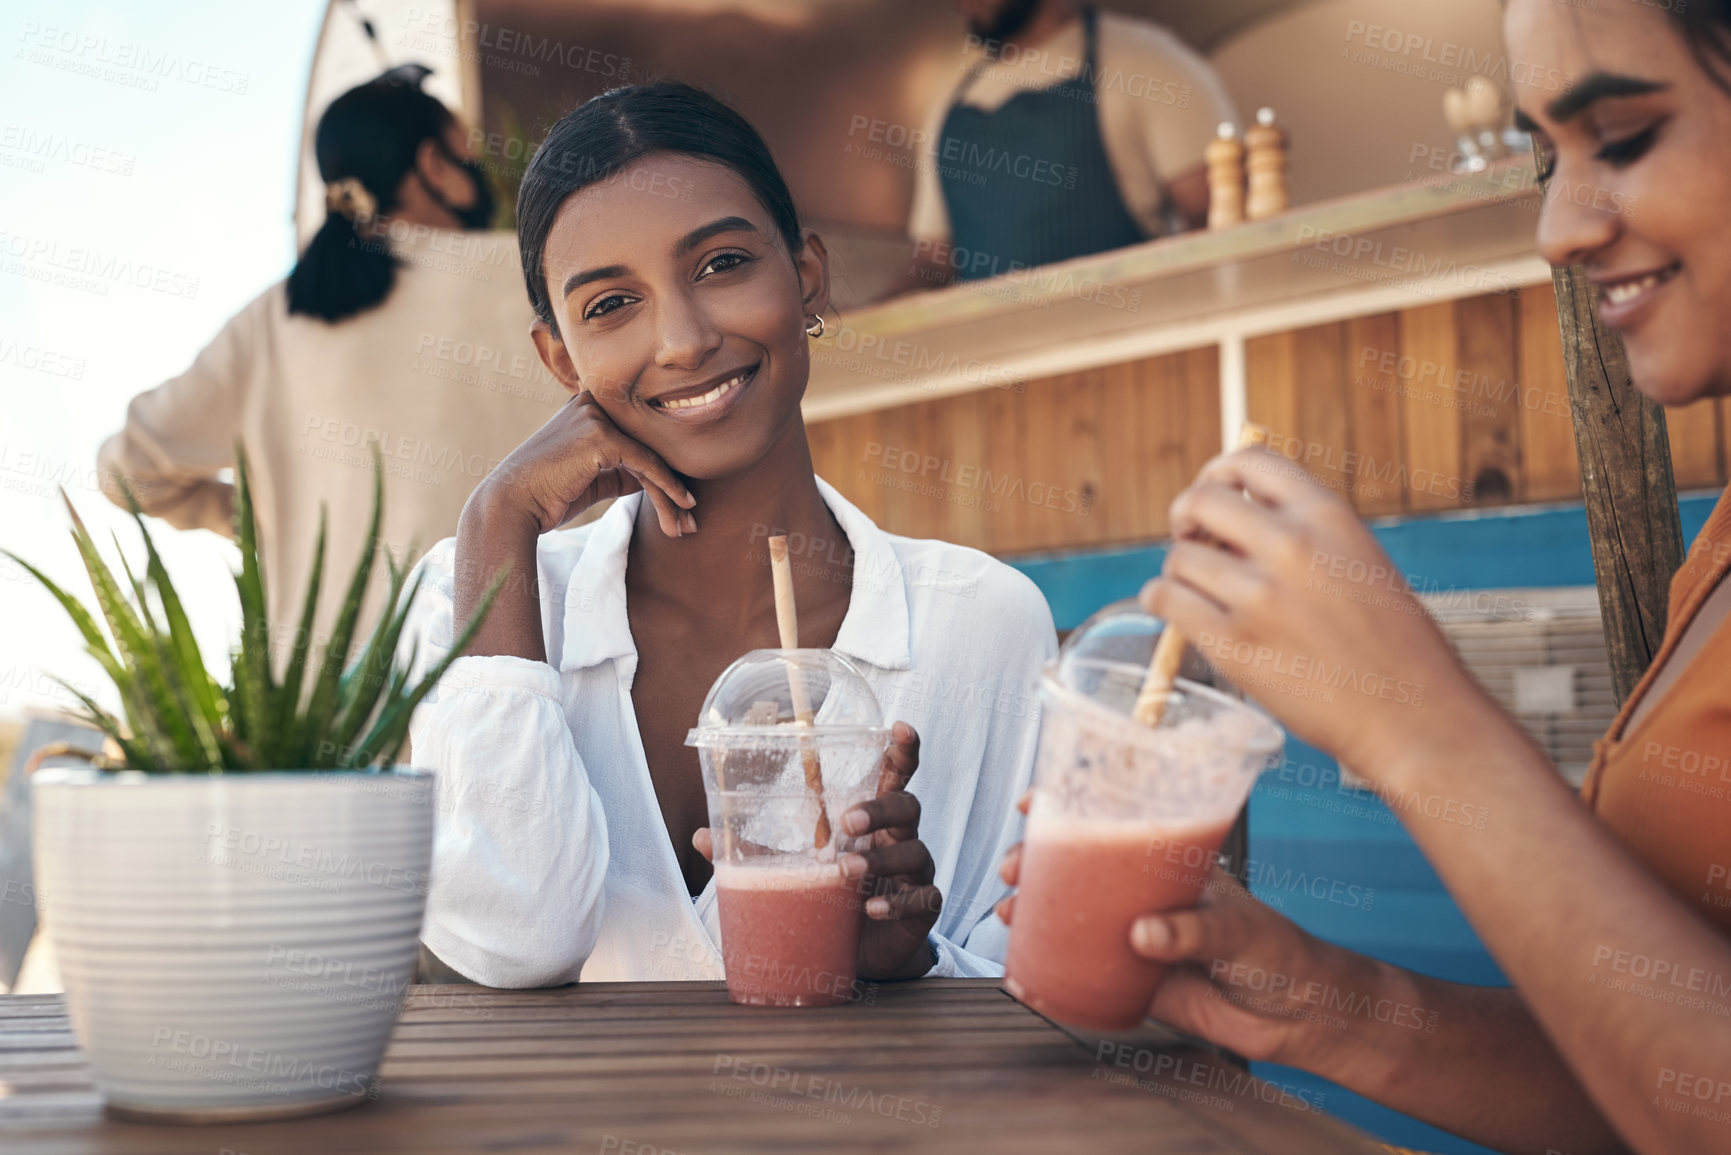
[[1225, 158], [1265, 143]]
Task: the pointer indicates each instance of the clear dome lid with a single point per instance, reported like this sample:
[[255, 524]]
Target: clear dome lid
[[758, 701], [1106, 659]]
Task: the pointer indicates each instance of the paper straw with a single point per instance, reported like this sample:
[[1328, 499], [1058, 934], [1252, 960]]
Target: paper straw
[[787, 620], [1169, 650]]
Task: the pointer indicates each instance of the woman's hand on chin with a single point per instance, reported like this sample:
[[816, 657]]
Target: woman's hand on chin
[[1290, 596], [579, 457]]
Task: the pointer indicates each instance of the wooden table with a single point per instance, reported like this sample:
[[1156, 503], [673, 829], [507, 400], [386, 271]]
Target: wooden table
[[951, 1065]]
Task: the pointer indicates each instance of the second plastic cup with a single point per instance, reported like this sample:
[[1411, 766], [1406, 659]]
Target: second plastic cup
[[789, 917], [1126, 820]]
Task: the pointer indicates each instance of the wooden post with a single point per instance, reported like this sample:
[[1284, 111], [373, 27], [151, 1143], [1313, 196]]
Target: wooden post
[[1626, 482]]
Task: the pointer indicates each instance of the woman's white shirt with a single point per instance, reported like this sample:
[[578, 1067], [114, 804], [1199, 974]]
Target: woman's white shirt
[[552, 862]]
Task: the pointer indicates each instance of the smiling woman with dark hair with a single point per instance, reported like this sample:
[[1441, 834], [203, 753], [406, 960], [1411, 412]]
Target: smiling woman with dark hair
[[676, 295]]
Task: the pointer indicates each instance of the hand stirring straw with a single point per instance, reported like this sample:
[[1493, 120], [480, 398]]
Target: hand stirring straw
[[787, 620], [1169, 650]]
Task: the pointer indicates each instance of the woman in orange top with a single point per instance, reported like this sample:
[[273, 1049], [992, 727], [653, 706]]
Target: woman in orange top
[[1608, 912]]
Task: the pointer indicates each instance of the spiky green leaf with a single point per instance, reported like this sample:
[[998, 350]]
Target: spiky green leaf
[[289, 695], [322, 707]]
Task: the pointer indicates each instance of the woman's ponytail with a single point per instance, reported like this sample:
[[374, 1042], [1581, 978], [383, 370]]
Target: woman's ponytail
[[366, 145], [340, 273]]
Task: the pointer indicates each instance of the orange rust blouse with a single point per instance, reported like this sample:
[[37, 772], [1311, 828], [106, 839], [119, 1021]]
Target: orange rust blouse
[[1664, 788]]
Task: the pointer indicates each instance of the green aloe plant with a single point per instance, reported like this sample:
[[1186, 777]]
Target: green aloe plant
[[318, 716]]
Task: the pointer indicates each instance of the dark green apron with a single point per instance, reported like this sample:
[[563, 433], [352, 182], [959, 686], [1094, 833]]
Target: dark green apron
[[1029, 183]]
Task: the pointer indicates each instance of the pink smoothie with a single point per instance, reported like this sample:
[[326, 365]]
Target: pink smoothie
[[1083, 882], [789, 932]]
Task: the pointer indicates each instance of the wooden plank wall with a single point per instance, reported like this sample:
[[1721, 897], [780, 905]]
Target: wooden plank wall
[[1078, 460], [1445, 406]]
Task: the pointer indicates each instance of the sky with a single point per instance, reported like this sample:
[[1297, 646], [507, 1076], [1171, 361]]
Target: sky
[[147, 165]]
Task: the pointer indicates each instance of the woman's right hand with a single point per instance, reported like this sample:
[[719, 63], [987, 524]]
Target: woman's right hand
[[579, 457], [1245, 977]]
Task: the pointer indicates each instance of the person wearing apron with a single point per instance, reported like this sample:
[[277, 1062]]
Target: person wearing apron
[[1101, 157]]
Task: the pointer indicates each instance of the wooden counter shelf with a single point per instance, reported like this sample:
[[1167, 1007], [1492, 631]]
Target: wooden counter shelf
[[949, 1065], [1448, 236]]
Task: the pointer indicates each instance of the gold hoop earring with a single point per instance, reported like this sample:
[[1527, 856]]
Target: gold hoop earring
[[816, 328]]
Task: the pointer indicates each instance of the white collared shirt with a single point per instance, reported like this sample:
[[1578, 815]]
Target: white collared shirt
[[552, 862]]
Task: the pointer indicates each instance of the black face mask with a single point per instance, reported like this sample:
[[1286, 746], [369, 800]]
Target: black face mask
[[479, 214], [1011, 19]]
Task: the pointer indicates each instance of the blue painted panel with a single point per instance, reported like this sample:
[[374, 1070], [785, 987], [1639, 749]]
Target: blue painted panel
[[1523, 546]]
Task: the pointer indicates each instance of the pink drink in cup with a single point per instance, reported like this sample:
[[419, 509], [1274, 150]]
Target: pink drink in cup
[[1083, 884], [1126, 820], [789, 935], [789, 917]]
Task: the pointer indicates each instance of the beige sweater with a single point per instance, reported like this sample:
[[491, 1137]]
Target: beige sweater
[[441, 375]]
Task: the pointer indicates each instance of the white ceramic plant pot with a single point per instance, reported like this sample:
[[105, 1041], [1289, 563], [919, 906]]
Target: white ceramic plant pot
[[233, 946]]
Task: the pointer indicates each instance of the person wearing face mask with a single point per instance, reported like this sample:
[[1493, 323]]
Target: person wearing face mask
[[400, 327], [1610, 911]]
